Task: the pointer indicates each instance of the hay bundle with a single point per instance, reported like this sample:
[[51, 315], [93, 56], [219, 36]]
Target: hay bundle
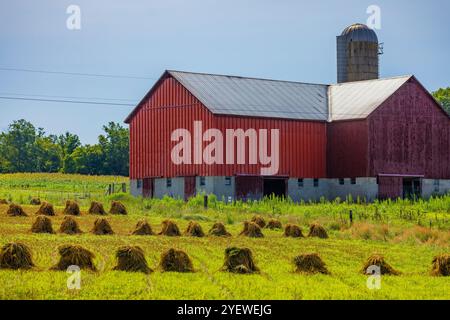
[[274, 224], [102, 227], [3, 201], [378, 260], [69, 226], [316, 230], [35, 201], [176, 261], [96, 208], [194, 229], [118, 208], [131, 258], [74, 255], [169, 228], [219, 230], [441, 265], [142, 229], [293, 231], [42, 224], [239, 260], [46, 209], [16, 256], [72, 208], [15, 210], [259, 221], [251, 230], [310, 263]]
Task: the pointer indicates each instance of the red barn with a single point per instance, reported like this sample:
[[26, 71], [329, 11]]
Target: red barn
[[180, 100], [242, 137]]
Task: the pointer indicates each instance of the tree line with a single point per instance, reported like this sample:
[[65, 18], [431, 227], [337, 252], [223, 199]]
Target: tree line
[[443, 97], [25, 148]]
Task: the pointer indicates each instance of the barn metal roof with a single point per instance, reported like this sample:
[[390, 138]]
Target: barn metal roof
[[357, 100], [231, 95]]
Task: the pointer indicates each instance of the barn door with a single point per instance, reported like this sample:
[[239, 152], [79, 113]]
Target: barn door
[[249, 187], [390, 187], [189, 187], [148, 186]]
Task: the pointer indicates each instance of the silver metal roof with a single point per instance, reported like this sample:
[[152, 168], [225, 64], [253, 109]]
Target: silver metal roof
[[231, 95], [359, 32], [357, 100]]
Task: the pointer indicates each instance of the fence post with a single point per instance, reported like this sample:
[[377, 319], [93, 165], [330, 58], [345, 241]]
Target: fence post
[[351, 217], [124, 187], [205, 202]]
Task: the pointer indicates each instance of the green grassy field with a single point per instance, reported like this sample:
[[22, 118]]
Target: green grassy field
[[407, 234]]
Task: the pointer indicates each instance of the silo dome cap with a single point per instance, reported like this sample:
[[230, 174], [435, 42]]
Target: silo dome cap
[[360, 32]]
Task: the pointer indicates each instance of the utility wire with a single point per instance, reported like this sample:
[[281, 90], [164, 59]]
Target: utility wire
[[64, 97], [77, 73], [69, 101]]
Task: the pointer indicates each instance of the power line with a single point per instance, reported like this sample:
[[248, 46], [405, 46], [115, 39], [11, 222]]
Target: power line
[[69, 101], [64, 97], [77, 73]]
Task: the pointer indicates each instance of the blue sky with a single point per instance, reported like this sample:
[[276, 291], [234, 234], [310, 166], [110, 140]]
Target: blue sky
[[280, 39]]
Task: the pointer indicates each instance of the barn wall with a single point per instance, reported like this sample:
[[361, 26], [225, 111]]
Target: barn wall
[[409, 134], [170, 106], [347, 149]]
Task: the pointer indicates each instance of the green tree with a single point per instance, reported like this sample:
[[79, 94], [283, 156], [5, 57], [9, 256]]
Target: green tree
[[18, 147], [47, 154], [443, 97], [88, 160], [68, 143], [115, 147]]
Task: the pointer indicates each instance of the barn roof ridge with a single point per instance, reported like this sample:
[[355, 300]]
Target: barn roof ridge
[[246, 78]]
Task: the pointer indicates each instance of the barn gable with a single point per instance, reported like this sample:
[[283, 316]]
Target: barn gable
[[357, 100]]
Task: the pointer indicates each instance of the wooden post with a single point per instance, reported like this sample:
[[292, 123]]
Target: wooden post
[[124, 187], [205, 202], [351, 217]]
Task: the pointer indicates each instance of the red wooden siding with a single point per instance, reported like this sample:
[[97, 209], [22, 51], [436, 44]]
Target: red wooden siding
[[410, 135], [171, 106], [347, 149]]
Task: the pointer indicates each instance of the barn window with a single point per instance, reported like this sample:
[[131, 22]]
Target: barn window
[[228, 181], [316, 183], [168, 182], [139, 183], [202, 181], [300, 183], [341, 181], [436, 185], [353, 180]]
